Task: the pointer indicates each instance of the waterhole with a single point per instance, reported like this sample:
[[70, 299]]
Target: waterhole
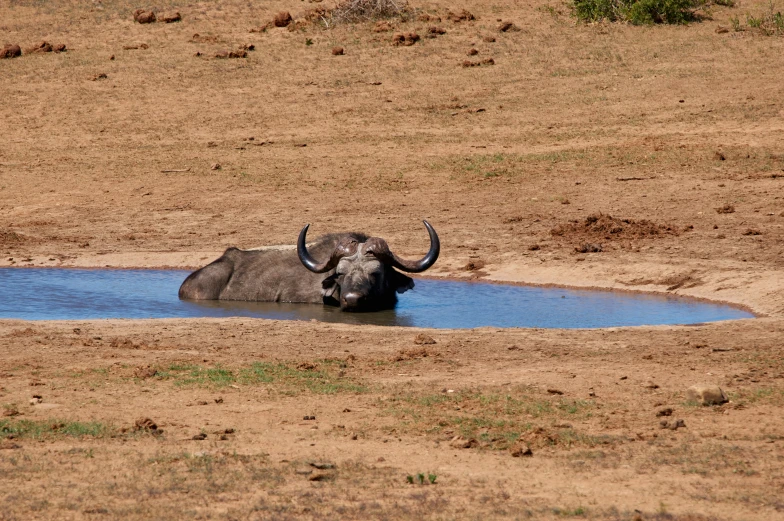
[[80, 294]]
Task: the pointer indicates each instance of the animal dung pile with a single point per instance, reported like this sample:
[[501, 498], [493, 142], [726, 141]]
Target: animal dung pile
[[282, 19], [10, 51], [434, 31], [486, 61], [144, 16], [462, 16], [171, 18], [239, 53], [406, 39]]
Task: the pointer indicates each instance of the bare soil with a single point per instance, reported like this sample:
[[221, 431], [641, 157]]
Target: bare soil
[[660, 145]]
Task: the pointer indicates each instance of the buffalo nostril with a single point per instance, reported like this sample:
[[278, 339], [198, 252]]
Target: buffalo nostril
[[352, 299]]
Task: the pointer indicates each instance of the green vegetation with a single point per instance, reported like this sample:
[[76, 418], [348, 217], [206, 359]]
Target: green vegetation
[[768, 23], [42, 429], [639, 12], [420, 478], [320, 378]]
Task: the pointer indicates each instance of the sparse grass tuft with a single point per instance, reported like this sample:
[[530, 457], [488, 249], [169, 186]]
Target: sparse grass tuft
[[497, 421], [357, 11], [43, 429], [320, 378]]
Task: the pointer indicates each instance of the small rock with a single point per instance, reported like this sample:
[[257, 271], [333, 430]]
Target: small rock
[[488, 39], [320, 476], [42, 46], [472, 52], [423, 339], [200, 436], [338, 51], [651, 385], [720, 29], [520, 449], [433, 30], [488, 61], [219, 399], [215, 166], [101, 76], [10, 51], [667, 411], [60, 47], [706, 394], [382, 27], [554, 391], [508, 26]]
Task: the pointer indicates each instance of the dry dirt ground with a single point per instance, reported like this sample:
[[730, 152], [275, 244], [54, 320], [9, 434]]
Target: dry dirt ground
[[661, 145]]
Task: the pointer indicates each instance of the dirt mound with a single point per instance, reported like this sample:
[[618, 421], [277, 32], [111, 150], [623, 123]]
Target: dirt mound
[[414, 354], [606, 227]]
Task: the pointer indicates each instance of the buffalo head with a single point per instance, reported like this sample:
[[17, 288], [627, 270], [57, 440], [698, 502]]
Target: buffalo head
[[364, 277]]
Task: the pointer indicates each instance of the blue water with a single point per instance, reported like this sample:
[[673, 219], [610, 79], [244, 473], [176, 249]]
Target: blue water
[[77, 294]]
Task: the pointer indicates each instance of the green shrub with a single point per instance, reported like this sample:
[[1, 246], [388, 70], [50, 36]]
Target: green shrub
[[638, 12], [645, 12]]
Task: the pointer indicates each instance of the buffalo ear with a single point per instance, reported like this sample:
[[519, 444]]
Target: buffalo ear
[[329, 286], [402, 283]]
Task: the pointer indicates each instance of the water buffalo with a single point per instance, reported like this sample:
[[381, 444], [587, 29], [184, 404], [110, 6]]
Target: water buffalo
[[358, 273]]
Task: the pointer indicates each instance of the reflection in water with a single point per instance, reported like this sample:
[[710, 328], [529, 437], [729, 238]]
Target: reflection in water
[[61, 294]]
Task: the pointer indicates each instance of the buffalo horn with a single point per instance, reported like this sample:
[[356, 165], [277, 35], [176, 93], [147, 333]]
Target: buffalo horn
[[310, 263], [425, 262]]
